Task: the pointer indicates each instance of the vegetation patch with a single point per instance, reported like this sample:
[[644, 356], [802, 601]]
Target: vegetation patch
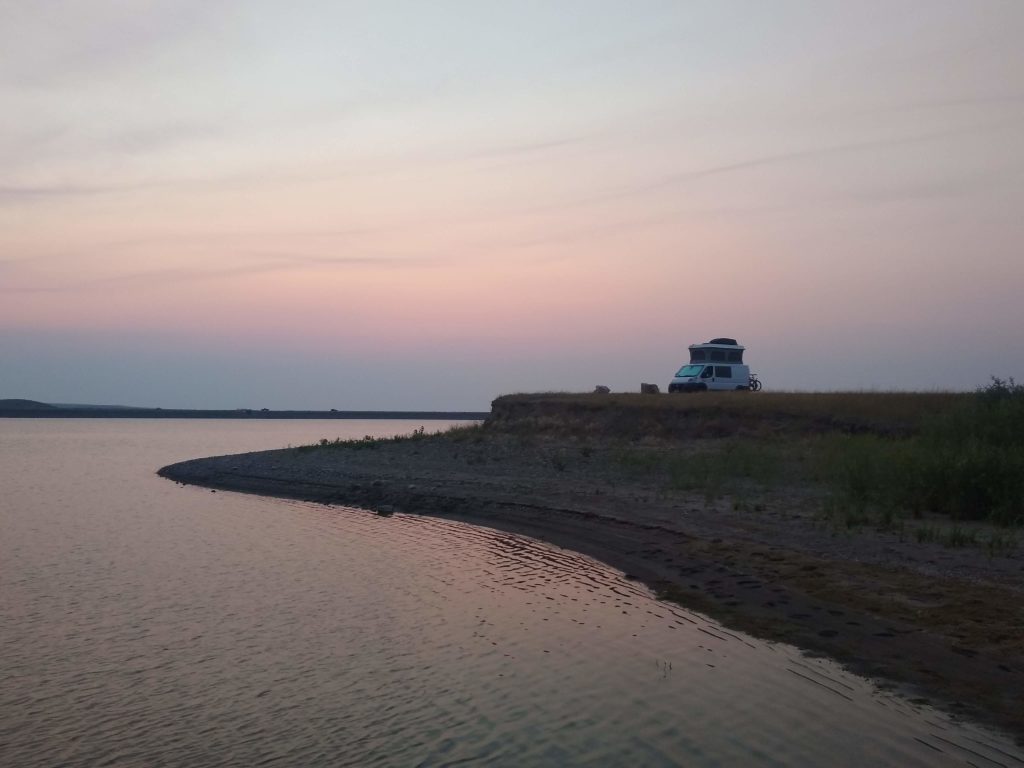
[[966, 464], [932, 467]]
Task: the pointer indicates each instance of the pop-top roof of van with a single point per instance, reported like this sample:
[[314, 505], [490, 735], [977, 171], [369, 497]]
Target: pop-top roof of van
[[718, 343]]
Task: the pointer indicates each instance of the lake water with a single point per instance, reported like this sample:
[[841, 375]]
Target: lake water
[[145, 624]]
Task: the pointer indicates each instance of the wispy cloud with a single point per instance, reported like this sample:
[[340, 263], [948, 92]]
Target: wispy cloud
[[1008, 100], [255, 234], [21, 194], [93, 38], [22, 277], [151, 138], [24, 144], [525, 148], [680, 178], [782, 158], [974, 184]]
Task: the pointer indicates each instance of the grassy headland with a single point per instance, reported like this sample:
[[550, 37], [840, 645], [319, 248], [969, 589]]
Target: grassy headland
[[879, 528], [874, 457]]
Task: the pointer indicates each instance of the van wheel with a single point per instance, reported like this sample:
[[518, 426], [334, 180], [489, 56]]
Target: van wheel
[[742, 389]]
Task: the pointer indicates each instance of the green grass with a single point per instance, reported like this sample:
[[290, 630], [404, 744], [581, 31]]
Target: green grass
[[962, 462], [733, 465], [966, 463]]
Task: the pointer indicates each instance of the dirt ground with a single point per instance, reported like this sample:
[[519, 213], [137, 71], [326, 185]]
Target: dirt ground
[[945, 625]]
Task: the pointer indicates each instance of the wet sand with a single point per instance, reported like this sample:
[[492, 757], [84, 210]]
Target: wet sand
[[942, 625]]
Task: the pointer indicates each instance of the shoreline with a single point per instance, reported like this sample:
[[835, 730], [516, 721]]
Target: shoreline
[[55, 412], [863, 601]]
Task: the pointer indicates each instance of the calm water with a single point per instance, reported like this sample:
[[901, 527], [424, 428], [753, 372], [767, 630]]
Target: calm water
[[145, 624]]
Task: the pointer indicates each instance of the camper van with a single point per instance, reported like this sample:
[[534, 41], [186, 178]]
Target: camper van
[[715, 365]]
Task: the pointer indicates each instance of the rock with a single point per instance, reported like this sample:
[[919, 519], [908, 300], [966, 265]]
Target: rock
[[385, 510], [601, 389], [649, 389]]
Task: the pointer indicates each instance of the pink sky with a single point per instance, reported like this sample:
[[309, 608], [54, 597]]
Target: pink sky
[[406, 205]]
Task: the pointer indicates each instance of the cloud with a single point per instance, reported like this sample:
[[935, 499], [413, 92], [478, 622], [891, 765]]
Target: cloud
[[93, 38], [525, 148], [980, 184], [200, 238], [25, 144], [781, 158], [21, 277], [151, 138], [54, 190], [1009, 100], [797, 155], [22, 194]]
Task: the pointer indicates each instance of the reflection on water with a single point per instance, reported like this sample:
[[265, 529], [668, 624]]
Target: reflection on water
[[145, 624]]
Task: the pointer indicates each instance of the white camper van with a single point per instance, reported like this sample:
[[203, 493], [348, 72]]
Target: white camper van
[[716, 365]]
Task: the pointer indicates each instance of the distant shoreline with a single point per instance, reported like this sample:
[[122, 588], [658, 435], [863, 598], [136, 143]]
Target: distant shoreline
[[183, 413]]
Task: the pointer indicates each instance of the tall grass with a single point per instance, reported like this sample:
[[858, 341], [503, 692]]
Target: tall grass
[[966, 463]]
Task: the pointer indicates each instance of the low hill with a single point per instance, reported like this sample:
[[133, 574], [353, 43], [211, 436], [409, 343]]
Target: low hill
[[94, 407], [14, 404]]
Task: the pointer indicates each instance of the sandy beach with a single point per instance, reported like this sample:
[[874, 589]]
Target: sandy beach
[[942, 624]]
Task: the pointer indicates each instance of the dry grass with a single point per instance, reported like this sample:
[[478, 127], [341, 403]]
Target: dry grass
[[875, 458], [718, 414], [880, 455]]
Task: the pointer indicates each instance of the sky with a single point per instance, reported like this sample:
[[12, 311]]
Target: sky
[[363, 205]]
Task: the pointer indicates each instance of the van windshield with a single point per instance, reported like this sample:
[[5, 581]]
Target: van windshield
[[689, 370]]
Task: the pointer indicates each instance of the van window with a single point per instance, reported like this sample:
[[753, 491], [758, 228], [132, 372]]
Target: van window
[[696, 355], [708, 372], [734, 356], [688, 370], [723, 371], [718, 355]]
